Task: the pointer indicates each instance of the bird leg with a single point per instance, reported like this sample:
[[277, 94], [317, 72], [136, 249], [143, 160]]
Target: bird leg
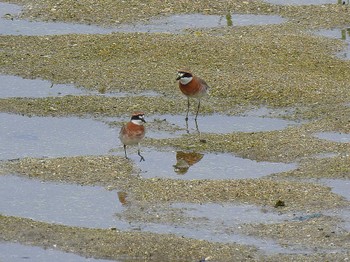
[[188, 108], [197, 128], [199, 105], [187, 130], [141, 157], [125, 152]]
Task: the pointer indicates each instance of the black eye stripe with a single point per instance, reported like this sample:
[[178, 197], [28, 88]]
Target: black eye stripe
[[185, 74], [135, 117]]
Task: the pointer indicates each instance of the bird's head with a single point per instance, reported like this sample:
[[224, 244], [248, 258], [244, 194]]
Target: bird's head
[[138, 118], [184, 76]]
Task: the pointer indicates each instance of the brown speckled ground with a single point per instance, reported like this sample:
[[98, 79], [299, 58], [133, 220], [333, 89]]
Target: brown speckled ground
[[275, 66]]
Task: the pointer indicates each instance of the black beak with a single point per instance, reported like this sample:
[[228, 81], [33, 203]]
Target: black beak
[[178, 78]]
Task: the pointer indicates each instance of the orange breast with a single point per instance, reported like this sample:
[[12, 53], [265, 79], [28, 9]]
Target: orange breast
[[135, 131], [191, 89], [196, 88]]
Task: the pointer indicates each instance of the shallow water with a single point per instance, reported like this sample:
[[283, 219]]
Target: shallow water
[[68, 204], [14, 252], [75, 205], [206, 233], [179, 22], [170, 24], [334, 136], [17, 26], [338, 33], [95, 207], [22, 136], [339, 186], [15, 86], [194, 165], [221, 124]]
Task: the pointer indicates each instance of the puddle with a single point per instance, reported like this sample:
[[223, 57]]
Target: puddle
[[176, 23], [192, 165], [206, 233], [14, 252], [226, 216], [339, 186], [15, 86], [68, 204], [95, 207], [22, 136], [10, 25], [221, 222], [302, 2], [338, 33], [227, 124], [335, 137]]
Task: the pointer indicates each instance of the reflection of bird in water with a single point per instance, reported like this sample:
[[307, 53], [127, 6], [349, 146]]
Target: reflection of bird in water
[[122, 197], [193, 87], [186, 159], [133, 132]]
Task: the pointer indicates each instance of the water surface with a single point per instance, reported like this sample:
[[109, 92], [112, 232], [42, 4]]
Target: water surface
[[334, 136], [196, 165], [23, 136], [95, 207], [221, 124], [169, 24], [15, 86], [338, 33], [15, 252], [59, 203]]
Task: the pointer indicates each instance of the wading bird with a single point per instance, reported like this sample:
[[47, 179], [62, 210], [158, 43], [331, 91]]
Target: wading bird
[[193, 87], [133, 132]]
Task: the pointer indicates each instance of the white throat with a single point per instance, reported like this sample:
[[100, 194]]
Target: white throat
[[137, 122], [185, 80]]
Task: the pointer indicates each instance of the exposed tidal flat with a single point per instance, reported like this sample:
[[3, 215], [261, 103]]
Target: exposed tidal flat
[[283, 67]]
